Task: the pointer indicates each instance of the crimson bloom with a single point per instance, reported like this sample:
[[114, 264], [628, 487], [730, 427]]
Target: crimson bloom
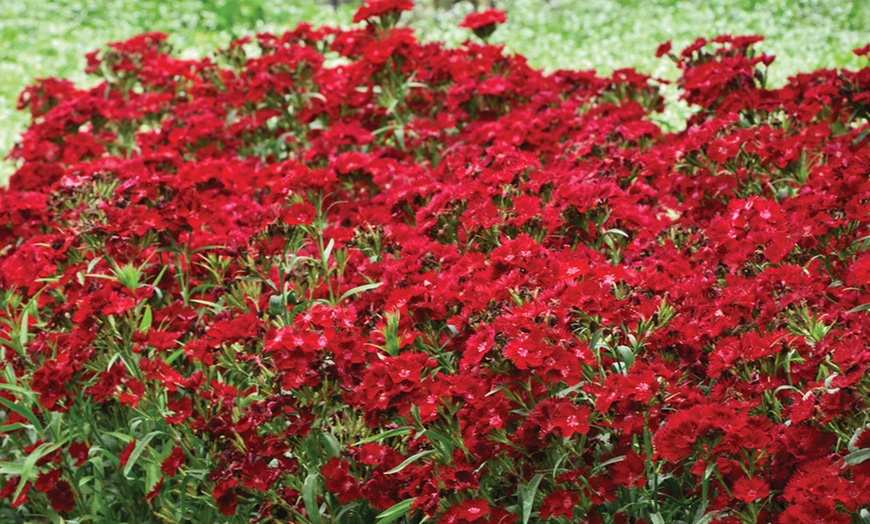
[[484, 24], [490, 17], [750, 489], [377, 8], [124, 457], [560, 503], [173, 461]]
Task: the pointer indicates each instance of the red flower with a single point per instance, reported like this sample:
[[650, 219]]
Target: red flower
[[225, 497], [571, 419], [663, 49], [525, 352], [376, 8], [46, 480], [302, 213], [79, 451], [61, 497], [560, 503], [58, 491], [750, 489], [9, 489], [125, 454], [155, 490], [339, 481], [183, 409], [490, 17], [173, 461], [629, 471], [466, 512]]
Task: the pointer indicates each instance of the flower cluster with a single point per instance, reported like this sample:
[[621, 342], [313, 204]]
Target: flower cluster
[[345, 276]]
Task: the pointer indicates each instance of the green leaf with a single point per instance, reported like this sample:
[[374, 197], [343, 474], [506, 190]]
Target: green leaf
[[328, 250], [22, 333], [276, 305], [527, 496], [145, 325], [16, 389], [137, 451], [30, 463], [11, 427], [359, 289], [446, 443], [13, 469], [333, 448], [24, 412], [309, 496], [396, 512], [862, 307], [657, 518], [409, 460], [857, 457], [704, 519], [626, 355], [384, 435]]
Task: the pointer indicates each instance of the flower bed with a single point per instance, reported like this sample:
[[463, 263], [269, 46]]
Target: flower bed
[[343, 276]]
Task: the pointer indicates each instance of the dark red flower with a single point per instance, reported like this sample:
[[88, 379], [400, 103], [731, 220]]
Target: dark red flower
[[61, 497], [125, 453], [663, 49], [47, 480], [173, 461], [490, 17], [339, 481], [155, 490], [750, 489], [376, 8], [467, 511], [79, 451], [225, 496], [560, 503]]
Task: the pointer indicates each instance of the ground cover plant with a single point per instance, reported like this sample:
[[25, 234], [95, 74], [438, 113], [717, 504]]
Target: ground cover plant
[[41, 38], [339, 275]]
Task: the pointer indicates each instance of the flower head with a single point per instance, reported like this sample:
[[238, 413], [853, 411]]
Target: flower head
[[377, 8]]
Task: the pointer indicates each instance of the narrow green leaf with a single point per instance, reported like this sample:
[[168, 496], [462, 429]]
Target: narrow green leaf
[[30, 463], [657, 518], [527, 496], [857, 457], [396, 512], [705, 519], [174, 355], [24, 412], [608, 462], [11, 427], [123, 437], [16, 389], [359, 289], [11, 468], [22, 333], [309, 496], [333, 448], [137, 451], [145, 325], [328, 250], [862, 307], [384, 435], [409, 460]]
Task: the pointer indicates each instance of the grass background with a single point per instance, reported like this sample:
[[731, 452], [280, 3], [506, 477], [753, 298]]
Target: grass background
[[43, 38]]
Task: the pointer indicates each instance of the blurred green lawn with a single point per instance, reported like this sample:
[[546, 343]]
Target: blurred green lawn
[[42, 38]]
